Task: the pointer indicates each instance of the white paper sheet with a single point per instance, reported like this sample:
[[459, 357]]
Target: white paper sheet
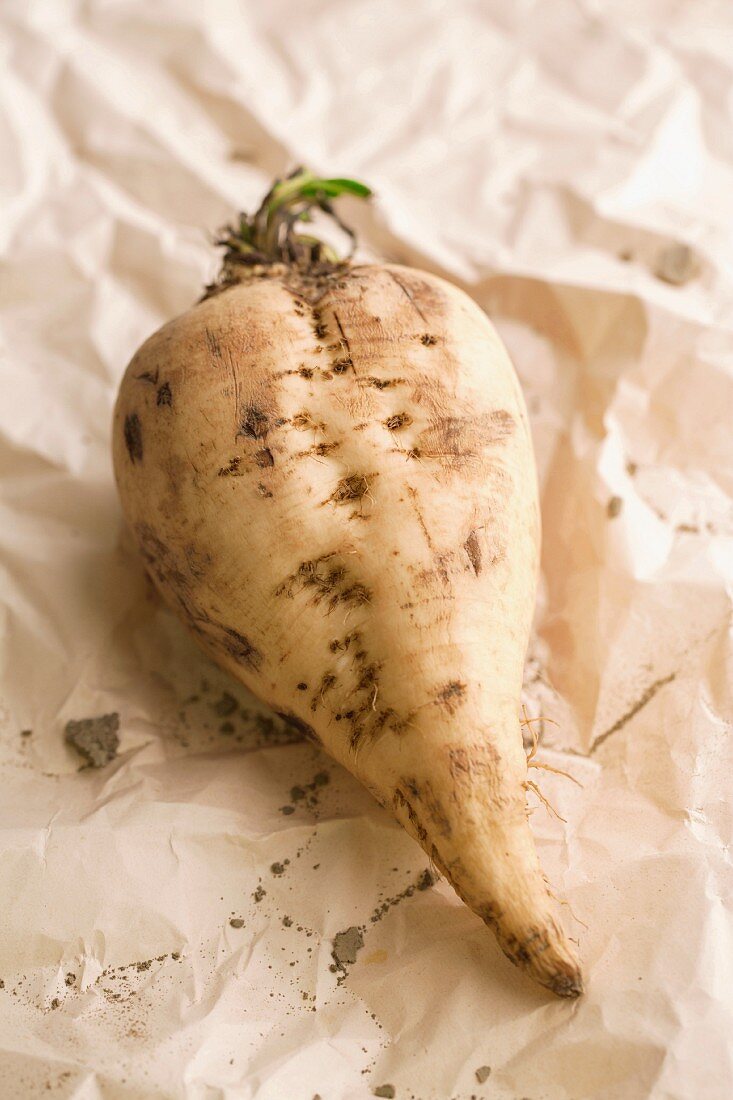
[[169, 920]]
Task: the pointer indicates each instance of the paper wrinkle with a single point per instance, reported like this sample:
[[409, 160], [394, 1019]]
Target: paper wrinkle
[[546, 158]]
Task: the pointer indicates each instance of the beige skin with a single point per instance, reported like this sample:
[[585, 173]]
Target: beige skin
[[331, 481]]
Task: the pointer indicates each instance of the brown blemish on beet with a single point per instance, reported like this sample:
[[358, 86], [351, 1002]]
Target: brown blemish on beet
[[164, 395], [382, 383], [428, 340], [397, 420], [472, 546], [264, 458], [352, 488], [452, 695], [427, 578], [369, 678], [255, 423], [133, 437], [302, 421], [320, 450], [343, 644], [263, 490], [231, 468], [327, 682], [326, 580]]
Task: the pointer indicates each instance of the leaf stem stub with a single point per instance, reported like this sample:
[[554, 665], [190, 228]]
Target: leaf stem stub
[[272, 234]]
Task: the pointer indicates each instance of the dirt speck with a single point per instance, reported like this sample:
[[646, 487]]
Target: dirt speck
[[482, 1074], [95, 738], [424, 882], [225, 705], [614, 507], [386, 1091], [259, 894], [236, 922], [676, 264], [232, 467]]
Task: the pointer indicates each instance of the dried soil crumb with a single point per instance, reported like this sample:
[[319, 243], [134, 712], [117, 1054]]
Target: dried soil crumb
[[26, 733], [426, 880], [676, 264], [237, 922], [346, 946], [386, 1091], [259, 894], [482, 1074], [95, 738], [615, 505]]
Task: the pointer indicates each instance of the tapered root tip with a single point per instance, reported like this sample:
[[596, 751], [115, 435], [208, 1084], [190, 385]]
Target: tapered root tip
[[567, 985], [543, 952], [555, 968]]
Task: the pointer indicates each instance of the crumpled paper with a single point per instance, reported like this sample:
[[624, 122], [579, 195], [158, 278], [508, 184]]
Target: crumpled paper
[[220, 911]]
